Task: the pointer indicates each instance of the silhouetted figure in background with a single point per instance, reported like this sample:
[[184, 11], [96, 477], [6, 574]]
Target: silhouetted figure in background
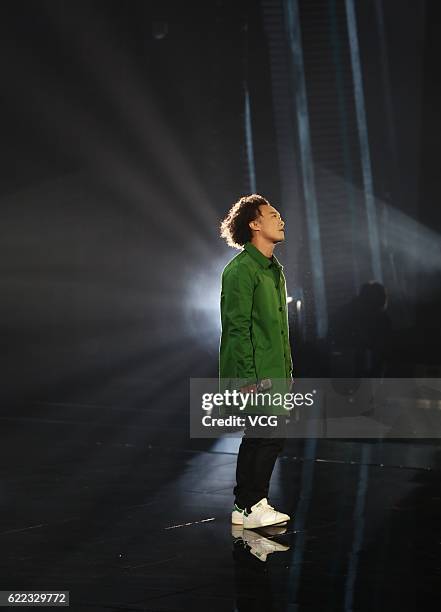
[[360, 334]]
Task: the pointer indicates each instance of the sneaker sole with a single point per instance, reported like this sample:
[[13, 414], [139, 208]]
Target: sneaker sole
[[241, 523], [282, 522]]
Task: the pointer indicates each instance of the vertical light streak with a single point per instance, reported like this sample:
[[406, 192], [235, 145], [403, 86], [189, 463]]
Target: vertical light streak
[[357, 541], [310, 454], [371, 213], [312, 218], [343, 114], [249, 143]]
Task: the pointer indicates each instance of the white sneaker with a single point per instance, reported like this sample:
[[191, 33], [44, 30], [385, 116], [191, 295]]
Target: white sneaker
[[288, 518], [260, 546], [273, 530], [237, 516], [262, 514]]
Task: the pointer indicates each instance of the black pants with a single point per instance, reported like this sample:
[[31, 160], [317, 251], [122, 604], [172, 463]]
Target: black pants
[[255, 464]]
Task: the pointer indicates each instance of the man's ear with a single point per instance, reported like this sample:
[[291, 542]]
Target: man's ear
[[254, 225]]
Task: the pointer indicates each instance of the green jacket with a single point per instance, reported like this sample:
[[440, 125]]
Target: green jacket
[[255, 339]]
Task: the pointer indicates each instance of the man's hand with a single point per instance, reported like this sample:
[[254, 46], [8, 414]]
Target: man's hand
[[264, 385], [249, 389]]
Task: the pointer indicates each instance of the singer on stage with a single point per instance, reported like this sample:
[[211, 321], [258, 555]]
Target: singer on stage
[[254, 342]]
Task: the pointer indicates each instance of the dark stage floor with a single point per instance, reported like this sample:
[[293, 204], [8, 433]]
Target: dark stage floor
[[128, 518]]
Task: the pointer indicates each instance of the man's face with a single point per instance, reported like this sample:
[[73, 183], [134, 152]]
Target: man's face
[[269, 224]]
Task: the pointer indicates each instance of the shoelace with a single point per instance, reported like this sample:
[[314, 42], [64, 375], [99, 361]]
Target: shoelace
[[269, 506]]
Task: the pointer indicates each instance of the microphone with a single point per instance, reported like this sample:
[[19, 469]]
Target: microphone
[[263, 385]]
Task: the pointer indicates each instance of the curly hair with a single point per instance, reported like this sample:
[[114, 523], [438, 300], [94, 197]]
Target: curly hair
[[235, 227]]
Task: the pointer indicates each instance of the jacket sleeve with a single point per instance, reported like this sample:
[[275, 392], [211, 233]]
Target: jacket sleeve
[[236, 312]]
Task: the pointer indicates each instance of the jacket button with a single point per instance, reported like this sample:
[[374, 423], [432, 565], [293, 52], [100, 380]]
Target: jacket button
[[280, 309]]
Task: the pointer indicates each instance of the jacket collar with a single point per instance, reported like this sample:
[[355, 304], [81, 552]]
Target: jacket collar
[[260, 257]]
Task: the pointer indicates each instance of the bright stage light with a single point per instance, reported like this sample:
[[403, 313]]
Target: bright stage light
[[202, 302]]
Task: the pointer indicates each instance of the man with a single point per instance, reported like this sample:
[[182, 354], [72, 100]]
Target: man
[[254, 343]]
